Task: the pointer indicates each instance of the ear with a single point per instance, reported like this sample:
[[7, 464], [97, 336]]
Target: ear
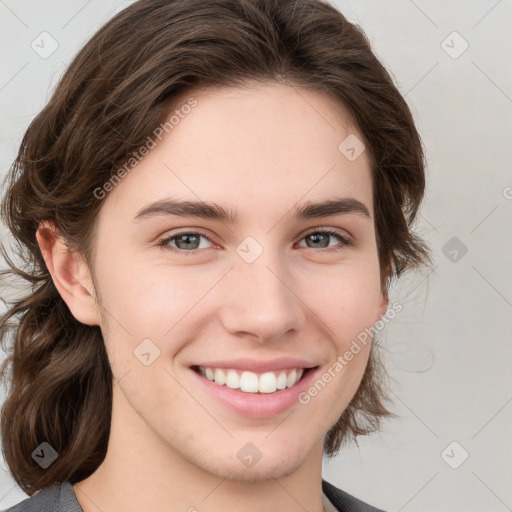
[[70, 274], [383, 298], [383, 304]]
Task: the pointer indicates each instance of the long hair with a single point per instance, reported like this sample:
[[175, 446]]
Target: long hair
[[118, 89]]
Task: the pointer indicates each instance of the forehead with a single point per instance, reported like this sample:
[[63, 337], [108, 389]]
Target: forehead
[[259, 147]]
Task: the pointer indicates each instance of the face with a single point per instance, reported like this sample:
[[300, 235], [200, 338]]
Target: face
[[266, 287]]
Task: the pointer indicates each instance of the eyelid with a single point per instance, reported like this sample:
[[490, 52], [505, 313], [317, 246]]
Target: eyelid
[[345, 238], [338, 231], [180, 232]]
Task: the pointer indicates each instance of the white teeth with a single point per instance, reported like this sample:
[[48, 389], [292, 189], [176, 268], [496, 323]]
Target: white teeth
[[250, 382], [232, 380], [292, 378], [281, 380], [220, 377], [268, 382]]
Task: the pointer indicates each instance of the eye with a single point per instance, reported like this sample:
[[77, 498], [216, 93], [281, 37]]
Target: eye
[[186, 241], [321, 237], [190, 241]]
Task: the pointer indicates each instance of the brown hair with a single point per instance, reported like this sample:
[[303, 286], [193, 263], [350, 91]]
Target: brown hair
[[114, 94]]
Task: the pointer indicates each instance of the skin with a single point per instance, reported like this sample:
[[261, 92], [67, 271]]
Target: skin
[[259, 151]]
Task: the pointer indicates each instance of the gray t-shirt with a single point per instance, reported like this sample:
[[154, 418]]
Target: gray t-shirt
[[62, 498]]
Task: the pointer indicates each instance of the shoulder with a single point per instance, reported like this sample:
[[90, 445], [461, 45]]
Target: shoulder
[[345, 502], [61, 498], [58, 498]]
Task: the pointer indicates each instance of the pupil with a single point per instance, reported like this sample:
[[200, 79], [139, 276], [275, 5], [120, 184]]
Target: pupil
[[319, 235], [187, 238]]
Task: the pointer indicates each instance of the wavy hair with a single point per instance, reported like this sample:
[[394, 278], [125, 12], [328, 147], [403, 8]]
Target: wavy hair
[[117, 90]]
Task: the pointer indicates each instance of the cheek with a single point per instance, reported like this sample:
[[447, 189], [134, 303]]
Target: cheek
[[147, 298], [345, 299], [155, 302]]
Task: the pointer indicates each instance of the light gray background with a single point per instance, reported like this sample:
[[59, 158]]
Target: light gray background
[[449, 351]]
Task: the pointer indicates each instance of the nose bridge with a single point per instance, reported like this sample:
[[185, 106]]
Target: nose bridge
[[260, 298]]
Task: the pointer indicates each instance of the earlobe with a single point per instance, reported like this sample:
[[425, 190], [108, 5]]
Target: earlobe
[[70, 274], [384, 298], [384, 303]]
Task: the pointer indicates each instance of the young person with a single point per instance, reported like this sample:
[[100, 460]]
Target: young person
[[211, 209]]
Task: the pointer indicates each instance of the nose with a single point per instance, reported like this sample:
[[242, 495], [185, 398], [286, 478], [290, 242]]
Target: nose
[[259, 301]]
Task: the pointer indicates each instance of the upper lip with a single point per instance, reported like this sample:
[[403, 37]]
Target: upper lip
[[259, 366]]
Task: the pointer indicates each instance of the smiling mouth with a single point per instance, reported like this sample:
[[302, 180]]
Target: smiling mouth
[[251, 382]]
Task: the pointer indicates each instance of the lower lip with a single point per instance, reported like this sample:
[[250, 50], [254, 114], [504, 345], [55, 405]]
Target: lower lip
[[254, 405]]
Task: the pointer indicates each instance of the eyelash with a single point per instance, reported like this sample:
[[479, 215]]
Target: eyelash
[[163, 242]]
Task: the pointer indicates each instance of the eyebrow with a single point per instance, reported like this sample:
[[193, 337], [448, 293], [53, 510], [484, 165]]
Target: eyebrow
[[213, 211]]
